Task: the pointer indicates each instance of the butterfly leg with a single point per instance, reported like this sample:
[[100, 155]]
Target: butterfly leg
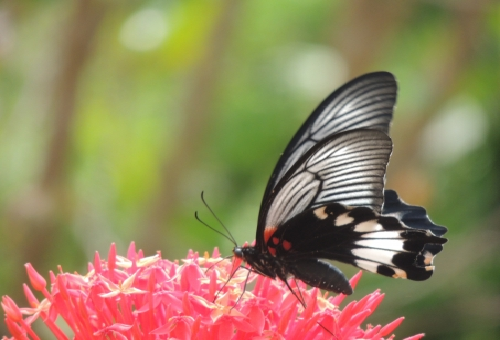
[[299, 296]]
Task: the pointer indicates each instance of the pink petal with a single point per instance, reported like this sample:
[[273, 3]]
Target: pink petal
[[112, 261], [225, 330], [11, 310], [37, 281], [256, 315], [97, 263], [389, 328]]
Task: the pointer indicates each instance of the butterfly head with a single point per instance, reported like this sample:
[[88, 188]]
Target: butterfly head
[[238, 252]]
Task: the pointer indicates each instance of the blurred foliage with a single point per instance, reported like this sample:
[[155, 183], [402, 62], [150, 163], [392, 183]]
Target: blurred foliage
[[115, 115]]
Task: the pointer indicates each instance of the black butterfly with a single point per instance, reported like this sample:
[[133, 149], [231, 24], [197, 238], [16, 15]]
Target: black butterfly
[[326, 198]]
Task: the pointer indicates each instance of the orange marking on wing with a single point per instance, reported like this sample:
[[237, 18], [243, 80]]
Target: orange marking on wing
[[272, 251], [287, 245], [276, 240], [268, 232]]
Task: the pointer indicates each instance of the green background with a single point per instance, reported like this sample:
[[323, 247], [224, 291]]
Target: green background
[[115, 115]]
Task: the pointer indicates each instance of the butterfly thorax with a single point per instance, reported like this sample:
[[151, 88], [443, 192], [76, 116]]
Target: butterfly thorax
[[262, 263]]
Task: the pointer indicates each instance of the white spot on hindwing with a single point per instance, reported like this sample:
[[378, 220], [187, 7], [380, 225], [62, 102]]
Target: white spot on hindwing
[[321, 213], [383, 234], [428, 257], [368, 226], [399, 273], [389, 244], [343, 220], [373, 267], [376, 255], [367, 265]]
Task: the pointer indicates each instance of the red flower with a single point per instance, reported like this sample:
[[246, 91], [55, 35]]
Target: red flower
[[138, 297]]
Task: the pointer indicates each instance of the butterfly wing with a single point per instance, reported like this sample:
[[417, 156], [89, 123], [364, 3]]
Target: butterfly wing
[[366, 102], [348, 167], [412, 216], [360, 237]]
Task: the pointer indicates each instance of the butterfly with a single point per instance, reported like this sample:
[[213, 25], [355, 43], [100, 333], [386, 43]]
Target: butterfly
[[325, 199]]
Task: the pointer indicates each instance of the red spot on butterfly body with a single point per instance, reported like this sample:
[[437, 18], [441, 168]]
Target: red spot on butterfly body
[[268, 232], [287, 245]]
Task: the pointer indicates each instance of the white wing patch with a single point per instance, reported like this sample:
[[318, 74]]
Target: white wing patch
[[367, 265], [428, 257], [388, 244], [375, 255], [384, 234], [399, 273], [343, 220], [368, 226], [321, 213]]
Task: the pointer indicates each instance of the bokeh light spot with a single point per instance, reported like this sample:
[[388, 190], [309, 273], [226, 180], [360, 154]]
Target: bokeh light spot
[[144, 30]]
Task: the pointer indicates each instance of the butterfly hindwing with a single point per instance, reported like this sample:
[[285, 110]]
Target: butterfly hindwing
[[412, 216], [358, 236]]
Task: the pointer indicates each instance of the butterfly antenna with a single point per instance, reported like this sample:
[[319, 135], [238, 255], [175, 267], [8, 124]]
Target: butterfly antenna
[[212, 228], [218, 219]]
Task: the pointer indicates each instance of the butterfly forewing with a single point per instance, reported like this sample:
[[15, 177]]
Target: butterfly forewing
[[366, 102]]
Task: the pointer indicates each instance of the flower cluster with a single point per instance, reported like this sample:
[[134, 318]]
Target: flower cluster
[[137, 297]]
